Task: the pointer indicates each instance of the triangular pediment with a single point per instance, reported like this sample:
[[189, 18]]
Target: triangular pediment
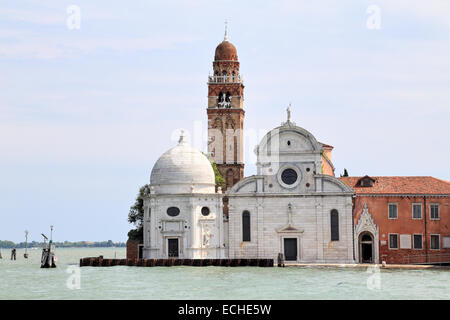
[[290, 229]]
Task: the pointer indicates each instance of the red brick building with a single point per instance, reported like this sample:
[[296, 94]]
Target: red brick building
[[400, 219]]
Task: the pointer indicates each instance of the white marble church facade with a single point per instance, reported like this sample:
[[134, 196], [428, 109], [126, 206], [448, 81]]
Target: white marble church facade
[[289, 207]]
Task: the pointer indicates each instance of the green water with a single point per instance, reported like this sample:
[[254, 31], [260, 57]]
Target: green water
[[23, 279]]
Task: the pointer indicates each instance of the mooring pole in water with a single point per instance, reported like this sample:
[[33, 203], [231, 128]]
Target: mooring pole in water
[[48, 257], [25, 255]]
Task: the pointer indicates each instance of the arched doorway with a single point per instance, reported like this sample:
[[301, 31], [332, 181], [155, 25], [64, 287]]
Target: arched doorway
[[366, 248]]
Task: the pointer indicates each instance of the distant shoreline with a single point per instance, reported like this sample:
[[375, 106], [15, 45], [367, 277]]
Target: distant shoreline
[[6, 244]]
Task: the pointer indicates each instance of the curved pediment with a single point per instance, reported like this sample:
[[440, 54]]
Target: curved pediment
[[288, 138], [246, 185], [332, 184]]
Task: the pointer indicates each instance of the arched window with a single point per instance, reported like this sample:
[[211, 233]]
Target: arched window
[[246, 226], [228, 96], [334, 218]]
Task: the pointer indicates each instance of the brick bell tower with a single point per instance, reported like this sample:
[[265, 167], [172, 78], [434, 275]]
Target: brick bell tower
[[226, 113]]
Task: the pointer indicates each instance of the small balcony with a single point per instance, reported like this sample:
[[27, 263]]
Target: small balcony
[[225, 79]]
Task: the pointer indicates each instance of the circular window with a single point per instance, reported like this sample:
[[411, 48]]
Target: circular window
[[205, 211], [173, 211], [289, 176]]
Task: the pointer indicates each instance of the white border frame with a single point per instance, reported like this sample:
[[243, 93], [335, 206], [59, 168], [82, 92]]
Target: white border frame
[[389, 204], [291, 236], [421, 210], [439, 214], [167, 246], [389, 241], [416, 234], [296, 169], [439, 242]]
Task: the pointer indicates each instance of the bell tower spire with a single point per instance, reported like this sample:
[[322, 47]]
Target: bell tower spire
[[225, 37], [226, 113]]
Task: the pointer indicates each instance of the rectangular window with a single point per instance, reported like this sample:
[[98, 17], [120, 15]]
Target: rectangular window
[[393, 241], [393, 211], [446, 242], [434, 211], [417, 210], [434, 242], [418, 243]]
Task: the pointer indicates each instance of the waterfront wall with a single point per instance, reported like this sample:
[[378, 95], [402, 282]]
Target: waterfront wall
[[101, 262]]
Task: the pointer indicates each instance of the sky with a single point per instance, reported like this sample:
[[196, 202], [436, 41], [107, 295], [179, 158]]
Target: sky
[[85, 112]]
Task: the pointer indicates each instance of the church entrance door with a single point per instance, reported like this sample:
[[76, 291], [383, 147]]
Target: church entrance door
[[366, 248], [173, 248], [290, 249]]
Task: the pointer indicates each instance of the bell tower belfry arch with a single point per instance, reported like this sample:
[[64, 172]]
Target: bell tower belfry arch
[[226, 113]]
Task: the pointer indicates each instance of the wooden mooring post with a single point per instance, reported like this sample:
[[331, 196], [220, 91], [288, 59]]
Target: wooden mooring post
[[13, 254]]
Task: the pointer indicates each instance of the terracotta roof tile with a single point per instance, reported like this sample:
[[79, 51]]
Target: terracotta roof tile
[[400, 185], [324, 145]]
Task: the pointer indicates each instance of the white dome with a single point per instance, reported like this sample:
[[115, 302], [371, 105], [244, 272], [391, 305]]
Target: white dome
[[183, 169]]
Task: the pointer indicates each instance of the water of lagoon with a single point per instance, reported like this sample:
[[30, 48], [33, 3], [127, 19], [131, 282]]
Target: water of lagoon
[[24, 279]]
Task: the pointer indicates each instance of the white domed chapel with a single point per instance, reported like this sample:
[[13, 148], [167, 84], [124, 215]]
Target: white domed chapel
[[182, 212]]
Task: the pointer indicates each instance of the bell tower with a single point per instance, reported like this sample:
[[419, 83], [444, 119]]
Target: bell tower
[[226, 113]]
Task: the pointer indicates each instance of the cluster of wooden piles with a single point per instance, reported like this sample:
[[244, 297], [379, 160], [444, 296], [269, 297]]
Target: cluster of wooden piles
[[101, 262]]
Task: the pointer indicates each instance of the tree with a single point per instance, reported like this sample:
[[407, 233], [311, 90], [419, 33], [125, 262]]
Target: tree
[[345, 173], [136, 216], [219, 180]]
